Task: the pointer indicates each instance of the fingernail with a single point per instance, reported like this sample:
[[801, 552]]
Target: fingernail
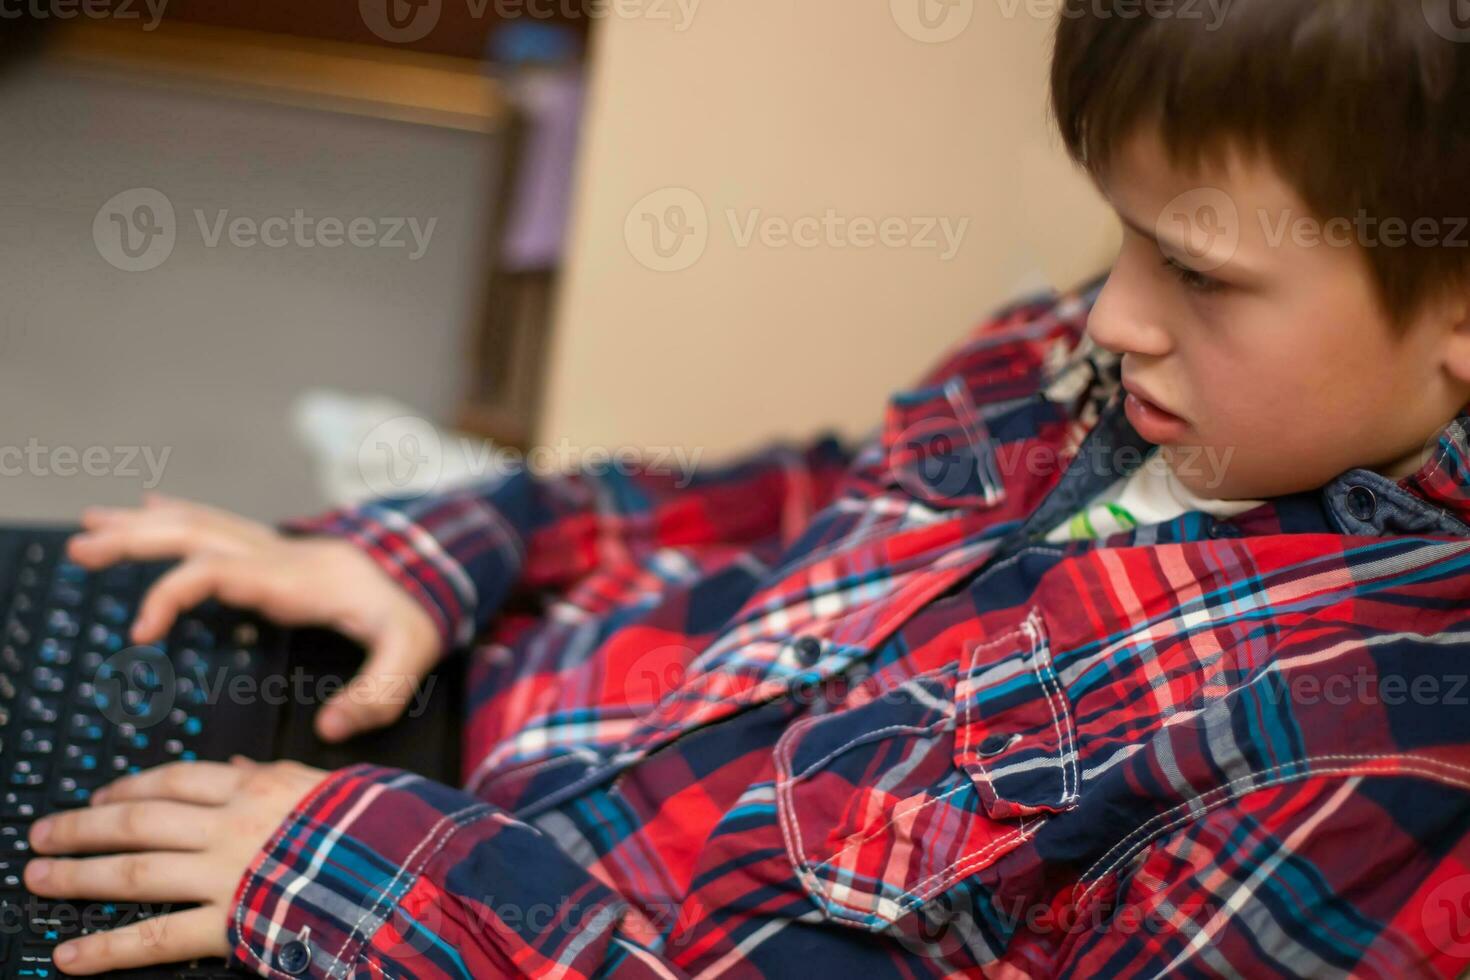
[[38, 869], [99, 795], [64, 953], [40, 830]]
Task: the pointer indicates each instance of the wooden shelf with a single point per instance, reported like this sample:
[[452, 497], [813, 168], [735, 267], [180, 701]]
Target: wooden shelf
[[427, 89]]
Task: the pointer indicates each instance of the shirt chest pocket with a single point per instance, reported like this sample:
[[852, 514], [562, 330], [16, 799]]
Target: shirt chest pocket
[[895, 798]]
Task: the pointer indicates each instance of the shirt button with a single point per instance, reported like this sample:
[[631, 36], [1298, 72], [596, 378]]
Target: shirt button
[[293, 958], [994, 745], [808, 650], [1361, 503]]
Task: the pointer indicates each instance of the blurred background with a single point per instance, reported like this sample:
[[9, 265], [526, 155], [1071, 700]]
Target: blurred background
[[277, 259]]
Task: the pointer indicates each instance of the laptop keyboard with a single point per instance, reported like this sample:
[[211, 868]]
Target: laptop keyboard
[[80, 705]]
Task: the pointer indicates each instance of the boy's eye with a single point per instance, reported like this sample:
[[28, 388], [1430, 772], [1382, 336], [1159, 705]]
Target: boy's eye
[[1192, 279]]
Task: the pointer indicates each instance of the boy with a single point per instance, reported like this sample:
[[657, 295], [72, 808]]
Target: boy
[[1138, 651]]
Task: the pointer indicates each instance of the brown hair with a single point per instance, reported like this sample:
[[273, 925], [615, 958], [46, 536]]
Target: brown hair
[[1363, 106]]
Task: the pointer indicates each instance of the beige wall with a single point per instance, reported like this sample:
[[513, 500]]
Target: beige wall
[[787, 108]]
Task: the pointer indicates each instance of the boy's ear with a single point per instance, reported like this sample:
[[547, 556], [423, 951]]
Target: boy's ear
[[1457, 349]]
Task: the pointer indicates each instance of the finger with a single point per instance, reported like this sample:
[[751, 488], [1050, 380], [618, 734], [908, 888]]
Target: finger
[[244, 582], [200, 783], [147, 536], [179, 589], [187, 935], [391, 678], [214, 516], [152, 876], [96, 517], [133, 825]]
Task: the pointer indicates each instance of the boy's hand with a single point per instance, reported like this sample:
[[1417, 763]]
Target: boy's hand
[[185, 832], [294, 581]]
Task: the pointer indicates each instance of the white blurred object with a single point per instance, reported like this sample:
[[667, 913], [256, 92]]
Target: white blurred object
[[368, 446]]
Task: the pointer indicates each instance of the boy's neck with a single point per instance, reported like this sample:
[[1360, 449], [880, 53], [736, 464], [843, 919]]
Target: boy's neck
[[1407, 466]]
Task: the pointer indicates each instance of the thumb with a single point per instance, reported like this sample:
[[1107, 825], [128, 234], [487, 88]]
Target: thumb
[[387, 684]]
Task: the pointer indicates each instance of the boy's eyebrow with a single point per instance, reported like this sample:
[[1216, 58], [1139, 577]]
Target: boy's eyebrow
[[1178, 251]]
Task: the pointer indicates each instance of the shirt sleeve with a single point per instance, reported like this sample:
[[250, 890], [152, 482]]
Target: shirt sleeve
[[382, 873], [462, 553], [1325, 876]]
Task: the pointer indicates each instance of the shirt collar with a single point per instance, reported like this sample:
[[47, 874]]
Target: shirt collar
[[936, 442], [1435, 499], [939, 448]]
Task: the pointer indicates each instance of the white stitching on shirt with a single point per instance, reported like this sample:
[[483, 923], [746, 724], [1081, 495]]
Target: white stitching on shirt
[[286, 827], [929, 729], [1035, 629], [790, 820], [458, 820], [1145, 833], [966, 721]]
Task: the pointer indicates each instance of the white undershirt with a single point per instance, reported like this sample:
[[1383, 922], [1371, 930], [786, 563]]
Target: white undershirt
[[1152, 494]]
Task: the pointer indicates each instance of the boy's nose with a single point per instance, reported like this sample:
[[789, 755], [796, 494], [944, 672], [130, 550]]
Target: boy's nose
[[1124, 321]]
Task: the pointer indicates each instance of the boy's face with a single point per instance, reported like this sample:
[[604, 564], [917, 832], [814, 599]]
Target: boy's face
[[1270, 364]]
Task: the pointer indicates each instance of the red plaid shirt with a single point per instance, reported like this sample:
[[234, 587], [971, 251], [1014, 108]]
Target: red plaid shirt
[[847, 713]]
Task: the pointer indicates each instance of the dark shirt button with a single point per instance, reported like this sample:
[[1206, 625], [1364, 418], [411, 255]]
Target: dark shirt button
[[1361, 503], [994, 745], [808, 650], [293, 958]]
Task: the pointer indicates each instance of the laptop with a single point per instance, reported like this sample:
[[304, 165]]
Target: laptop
[[80, 705]]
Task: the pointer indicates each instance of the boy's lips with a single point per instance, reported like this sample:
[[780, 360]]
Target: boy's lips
[[1153, 421]]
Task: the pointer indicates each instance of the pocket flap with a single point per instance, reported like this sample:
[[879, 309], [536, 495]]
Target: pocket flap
[[876, 818], [1014, 732]]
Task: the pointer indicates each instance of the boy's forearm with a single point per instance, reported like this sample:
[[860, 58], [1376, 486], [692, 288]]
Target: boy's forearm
[[462, 553]]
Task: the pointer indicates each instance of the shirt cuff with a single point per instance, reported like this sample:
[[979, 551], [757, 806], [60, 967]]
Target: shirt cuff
[[381, 871], [430, 549]]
